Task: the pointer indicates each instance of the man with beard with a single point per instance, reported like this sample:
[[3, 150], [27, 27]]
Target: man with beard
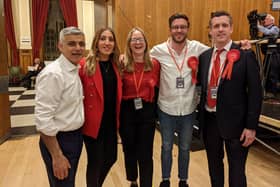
[[176, 103]]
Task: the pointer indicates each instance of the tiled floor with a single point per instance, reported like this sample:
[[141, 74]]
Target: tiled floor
[[22, 106]]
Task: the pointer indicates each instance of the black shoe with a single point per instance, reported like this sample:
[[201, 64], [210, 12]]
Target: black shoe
[[165, 183], [183, 184], [133, 185]]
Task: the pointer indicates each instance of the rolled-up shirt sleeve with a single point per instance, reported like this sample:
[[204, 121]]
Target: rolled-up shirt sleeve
[[274, 30], [49, 87]]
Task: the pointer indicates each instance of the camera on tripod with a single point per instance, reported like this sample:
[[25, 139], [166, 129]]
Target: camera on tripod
[[253, 18]]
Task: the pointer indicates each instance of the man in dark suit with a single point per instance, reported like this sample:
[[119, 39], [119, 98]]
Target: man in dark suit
[[230, 104]]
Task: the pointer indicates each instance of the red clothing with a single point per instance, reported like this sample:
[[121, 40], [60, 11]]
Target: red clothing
[[94, 100], [146, 86]]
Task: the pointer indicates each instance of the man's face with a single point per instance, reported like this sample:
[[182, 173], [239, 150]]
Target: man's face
[[178, 30], [267, 21], [221, 30], [72, 47]]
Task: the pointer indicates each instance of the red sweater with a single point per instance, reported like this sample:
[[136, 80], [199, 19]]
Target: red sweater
[[146, 84]]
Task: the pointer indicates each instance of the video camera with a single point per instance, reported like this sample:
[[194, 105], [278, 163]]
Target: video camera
[[253, 18]]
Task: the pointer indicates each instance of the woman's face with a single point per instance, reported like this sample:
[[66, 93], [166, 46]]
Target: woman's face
[[106, 45], [137, 43]]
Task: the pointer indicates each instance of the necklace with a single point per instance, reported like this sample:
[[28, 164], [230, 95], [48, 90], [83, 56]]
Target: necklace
[[105, 66]]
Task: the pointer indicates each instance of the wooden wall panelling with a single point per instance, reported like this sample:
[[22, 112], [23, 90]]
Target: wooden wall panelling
[[25, 56], [152, 16]]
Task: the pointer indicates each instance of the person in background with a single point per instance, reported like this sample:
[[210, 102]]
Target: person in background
[[100, 76], [230, 102], [37, 67], [140, 79], [59, 111], [176, 103], [272, 56], [267, 27]]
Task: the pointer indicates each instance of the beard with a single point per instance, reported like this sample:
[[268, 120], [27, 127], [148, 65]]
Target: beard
[[179, 41]]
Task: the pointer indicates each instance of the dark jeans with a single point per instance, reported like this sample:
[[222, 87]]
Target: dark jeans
[[71, 144], [101, 155], [26, 80], [137, 131], [236, 153]]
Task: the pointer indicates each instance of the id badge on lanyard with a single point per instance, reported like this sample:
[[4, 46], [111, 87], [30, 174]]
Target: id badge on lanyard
[[138, 103], [213, 92], [180, 82]]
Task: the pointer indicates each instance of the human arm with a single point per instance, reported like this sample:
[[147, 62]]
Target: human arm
[[254, 95], [60, 163], [274, 30], [48, 97]]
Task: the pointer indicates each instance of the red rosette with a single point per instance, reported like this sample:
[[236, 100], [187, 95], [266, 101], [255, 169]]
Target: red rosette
[[193, 64], [232, 56]]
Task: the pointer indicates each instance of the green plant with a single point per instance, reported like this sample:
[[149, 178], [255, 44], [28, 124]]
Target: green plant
[[14, 74]]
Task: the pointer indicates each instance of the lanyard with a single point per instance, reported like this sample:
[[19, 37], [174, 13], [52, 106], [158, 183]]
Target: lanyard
[[174, 60], [137, 86]]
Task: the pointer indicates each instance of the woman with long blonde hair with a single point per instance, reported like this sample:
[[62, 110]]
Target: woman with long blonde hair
[[140, 78]]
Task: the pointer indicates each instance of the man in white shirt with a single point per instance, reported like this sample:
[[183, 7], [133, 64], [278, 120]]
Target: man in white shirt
[[59, 112], [176, 95]]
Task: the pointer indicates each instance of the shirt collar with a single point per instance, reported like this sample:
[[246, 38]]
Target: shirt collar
[[169, 45], [67, 64], [226, 47]]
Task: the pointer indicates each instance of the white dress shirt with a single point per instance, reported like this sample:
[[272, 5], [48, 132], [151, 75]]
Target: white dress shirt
[[223, 56], [59, 98], [172, 100]]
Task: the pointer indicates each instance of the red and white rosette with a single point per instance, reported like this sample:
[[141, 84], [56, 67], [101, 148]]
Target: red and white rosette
[[232, 56], [193, 64]]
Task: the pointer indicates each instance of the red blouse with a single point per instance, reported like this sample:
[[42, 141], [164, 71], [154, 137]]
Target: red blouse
[[145, 81]]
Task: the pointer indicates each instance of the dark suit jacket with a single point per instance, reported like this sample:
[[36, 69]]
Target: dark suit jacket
[[239, 99]]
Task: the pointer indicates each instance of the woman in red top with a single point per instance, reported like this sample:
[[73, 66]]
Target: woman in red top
[[102, 88], [140, 80]]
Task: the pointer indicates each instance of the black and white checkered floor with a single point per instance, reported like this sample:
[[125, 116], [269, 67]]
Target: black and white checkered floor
[[21, 107]]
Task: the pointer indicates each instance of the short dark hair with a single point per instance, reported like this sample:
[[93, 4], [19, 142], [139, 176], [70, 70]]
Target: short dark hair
[[178, 16], [218, 14]]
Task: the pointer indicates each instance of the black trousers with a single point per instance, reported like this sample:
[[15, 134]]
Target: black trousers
[[26, 80], [236, 153], [273, 73], [71, 144], [101, 155], [137, 131]]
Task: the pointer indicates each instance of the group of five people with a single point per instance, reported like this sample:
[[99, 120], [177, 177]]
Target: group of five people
[[89, 99]]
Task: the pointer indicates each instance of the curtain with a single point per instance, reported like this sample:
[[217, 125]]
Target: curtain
[[10, 32], [69, 11], [39, 18]]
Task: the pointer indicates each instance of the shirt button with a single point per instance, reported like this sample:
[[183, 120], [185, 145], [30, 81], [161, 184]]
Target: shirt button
[[90, 106], [90, 95]]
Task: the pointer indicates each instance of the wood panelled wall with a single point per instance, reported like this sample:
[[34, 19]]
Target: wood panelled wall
[[152, 16]]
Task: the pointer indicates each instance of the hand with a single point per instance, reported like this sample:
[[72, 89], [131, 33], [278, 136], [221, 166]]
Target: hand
[[61, 166], [121, 58], [248, 136], [245, 44]]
